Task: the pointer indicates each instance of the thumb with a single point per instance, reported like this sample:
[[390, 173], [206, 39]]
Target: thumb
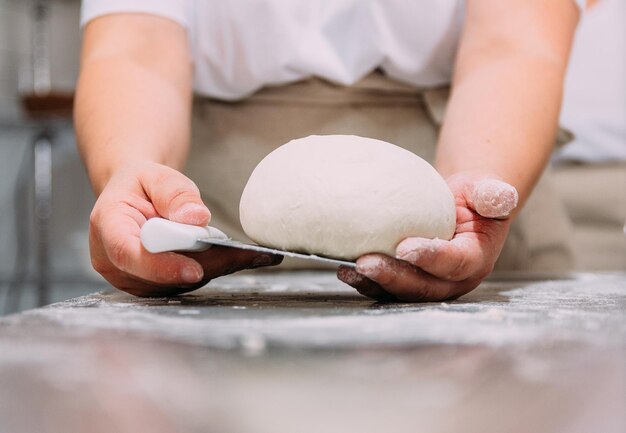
[[174, 196], [492, 198]]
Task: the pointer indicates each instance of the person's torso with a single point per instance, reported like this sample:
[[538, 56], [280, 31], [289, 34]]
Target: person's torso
[[242, 45]]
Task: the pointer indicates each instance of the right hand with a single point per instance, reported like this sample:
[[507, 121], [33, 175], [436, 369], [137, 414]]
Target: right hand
[[430, 270], [132, 196]]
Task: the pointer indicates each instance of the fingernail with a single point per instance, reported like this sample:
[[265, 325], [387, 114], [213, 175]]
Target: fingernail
[[191, 274], [264, 260], [370, 266], [191, 213], [495, 198]]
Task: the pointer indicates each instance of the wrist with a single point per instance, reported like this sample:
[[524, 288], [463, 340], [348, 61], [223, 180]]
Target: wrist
[[102, 167], [101, 174]]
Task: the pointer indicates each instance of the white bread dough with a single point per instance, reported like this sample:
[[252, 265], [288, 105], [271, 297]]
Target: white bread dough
[[344, 196]]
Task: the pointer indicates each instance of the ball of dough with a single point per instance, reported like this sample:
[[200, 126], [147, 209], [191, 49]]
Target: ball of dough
[[344, 196]]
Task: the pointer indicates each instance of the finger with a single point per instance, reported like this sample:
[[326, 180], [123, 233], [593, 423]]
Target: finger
[[492, 198], [174, 195], [363, 285], [219, 260], [454, 260], [119, 234], [404, 281], [145, 289], [486, 194]]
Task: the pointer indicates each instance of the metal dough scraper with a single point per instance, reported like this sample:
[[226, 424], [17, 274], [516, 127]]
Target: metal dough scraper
[[159, 235]]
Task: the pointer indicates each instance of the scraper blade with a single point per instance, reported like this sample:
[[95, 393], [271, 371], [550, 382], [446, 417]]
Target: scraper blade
[[160, 235]]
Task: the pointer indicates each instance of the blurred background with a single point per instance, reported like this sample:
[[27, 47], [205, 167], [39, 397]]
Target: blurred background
[[45, 198], [39, 56]]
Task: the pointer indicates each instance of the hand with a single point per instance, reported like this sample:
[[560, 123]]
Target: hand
[[132, 196], [436, 269]]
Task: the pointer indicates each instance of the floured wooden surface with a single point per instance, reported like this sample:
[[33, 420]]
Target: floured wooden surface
[[303, 352], [315, 310]]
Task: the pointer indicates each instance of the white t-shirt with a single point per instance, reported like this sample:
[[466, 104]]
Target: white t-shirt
[[240, 46]]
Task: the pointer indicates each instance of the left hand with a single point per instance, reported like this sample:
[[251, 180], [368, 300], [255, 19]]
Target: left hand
[[435, 269]]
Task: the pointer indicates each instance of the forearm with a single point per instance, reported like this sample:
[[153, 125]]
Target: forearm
[[498, 124], [503, 114], [130, 108]]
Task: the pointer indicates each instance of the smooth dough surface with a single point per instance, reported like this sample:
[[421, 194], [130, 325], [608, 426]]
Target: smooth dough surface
[[344, 196]]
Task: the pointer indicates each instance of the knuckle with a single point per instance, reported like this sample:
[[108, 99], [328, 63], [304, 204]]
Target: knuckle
[[180, 194], [484, 272], [100, 266], [485, 268], [192, 186], [94, 218], [459, 270], [425, 292], [118, 253], [169, 175]]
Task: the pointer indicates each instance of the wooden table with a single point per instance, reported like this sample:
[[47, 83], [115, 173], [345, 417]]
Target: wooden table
[[300, 352]]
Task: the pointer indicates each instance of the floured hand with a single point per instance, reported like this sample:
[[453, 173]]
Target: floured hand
[[435, 269], [132, 196]]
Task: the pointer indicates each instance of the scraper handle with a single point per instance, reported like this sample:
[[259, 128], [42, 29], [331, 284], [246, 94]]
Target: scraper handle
[[159, 235]]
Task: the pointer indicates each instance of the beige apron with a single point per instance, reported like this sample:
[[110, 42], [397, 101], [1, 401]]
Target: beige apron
[[229, 139]]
